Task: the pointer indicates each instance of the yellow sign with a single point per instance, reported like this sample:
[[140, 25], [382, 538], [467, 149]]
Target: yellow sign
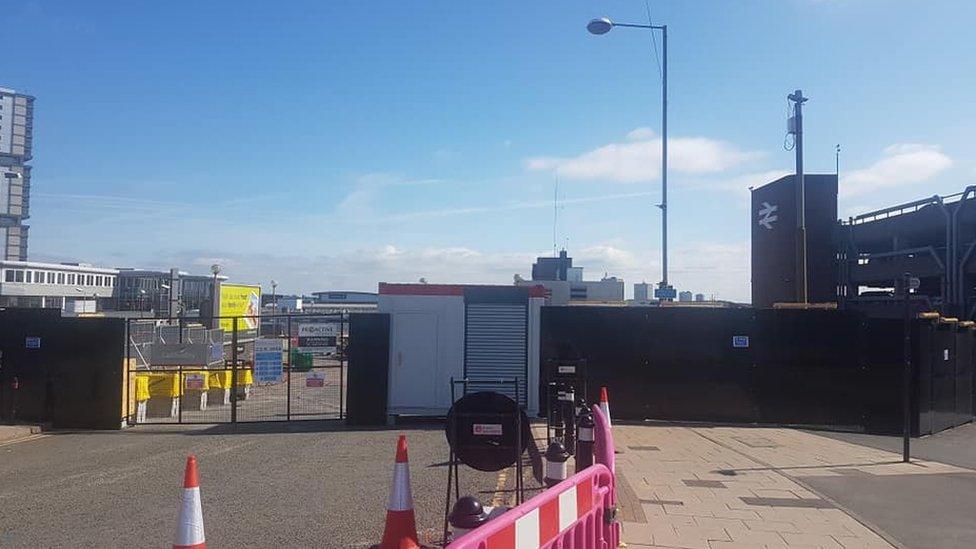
[[239, 300]]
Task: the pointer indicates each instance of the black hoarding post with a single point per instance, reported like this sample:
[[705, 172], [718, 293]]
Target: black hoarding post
[[908, 283]]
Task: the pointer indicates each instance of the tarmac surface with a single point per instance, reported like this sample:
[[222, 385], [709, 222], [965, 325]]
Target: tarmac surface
[[298, 484], [915, 510]]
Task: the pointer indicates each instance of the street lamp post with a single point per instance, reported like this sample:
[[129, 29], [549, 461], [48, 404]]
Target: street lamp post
[[603, 25], [274, 305], [215, 269]]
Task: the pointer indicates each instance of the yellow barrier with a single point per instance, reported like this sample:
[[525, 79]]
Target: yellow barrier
[[142, 388], [164, 385], [245, 377], [220, 379], [203, 373]]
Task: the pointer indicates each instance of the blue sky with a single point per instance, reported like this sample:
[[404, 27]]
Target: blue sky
[[333, 145]]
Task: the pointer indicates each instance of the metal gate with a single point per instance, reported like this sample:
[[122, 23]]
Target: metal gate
[[236, 369], [496, 346]]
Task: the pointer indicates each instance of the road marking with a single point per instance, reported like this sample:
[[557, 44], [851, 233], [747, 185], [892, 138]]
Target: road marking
[[496, 499], [25, 439]]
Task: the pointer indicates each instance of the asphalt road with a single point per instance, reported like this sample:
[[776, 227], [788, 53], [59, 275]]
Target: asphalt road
[[954, 446], [263, 485], [917, 511]]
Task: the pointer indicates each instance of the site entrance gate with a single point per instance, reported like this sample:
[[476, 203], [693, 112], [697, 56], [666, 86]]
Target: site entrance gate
[[236, 369]]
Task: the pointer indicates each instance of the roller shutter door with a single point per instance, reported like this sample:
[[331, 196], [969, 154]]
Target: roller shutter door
[[496, 347]]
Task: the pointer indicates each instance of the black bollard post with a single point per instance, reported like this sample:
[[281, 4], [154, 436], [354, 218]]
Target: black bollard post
[[466, 515], [556, 457], [584, 447]]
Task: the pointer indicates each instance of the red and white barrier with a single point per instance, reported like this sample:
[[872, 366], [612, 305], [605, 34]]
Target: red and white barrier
[[577, 513], [189, 530]]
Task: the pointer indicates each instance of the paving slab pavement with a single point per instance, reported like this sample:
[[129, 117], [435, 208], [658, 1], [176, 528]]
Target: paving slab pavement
[[711, 487], [10, 433]]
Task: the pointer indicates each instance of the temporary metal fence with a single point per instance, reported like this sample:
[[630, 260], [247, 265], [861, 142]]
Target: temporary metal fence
[[236, 369]]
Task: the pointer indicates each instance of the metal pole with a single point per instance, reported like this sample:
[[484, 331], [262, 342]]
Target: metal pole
[[288, 374], [342, 365], [664, 159], [907, 374], [128, 368], [801, 204], [233, 366]]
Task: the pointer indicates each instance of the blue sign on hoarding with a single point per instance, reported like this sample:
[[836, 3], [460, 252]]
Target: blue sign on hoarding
[[740, 342], [32, 342]]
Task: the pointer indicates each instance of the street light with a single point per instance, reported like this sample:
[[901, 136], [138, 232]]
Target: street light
[[214, 304], [601, 26], [274, 305]]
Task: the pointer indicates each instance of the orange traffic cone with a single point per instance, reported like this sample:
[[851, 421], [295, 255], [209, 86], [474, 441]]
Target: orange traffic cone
[[401, 527], [605, 404], [189, 531]]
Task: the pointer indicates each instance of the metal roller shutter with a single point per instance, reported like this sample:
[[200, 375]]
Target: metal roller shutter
[[496, 347]]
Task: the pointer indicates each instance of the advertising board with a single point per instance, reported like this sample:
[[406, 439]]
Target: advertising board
[[239, 300]]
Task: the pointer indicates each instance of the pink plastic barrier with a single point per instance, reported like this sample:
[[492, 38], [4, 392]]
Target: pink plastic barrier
[[577, 513], [569, 515]]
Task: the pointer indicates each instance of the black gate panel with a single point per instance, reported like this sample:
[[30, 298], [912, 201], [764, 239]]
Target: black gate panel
[[675, 363], [808, 367], [943, 377], [883, 362], [964, 376], [68, 371], [369, 359]]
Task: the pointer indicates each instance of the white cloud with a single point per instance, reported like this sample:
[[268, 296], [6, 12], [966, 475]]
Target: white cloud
[[638, 158], [900, 164]]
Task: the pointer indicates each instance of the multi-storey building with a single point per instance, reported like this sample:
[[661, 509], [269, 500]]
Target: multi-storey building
[[16, 140]]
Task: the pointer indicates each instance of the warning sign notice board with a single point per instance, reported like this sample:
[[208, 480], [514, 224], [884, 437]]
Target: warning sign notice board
[[317, 336]]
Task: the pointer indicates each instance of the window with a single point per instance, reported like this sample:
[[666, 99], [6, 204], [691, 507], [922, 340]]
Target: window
[[60, 278], [90, 280], [39, 277], [18, 276], [111, 281], [98, 280], [30, 276], [50, 278], [71, 278], [8, 275]]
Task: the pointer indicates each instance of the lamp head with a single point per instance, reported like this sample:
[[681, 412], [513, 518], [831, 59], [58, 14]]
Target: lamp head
[[599, 26]]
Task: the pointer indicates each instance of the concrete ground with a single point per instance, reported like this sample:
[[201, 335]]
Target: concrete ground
[[299, 484], [317, 484], [711, 487]]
